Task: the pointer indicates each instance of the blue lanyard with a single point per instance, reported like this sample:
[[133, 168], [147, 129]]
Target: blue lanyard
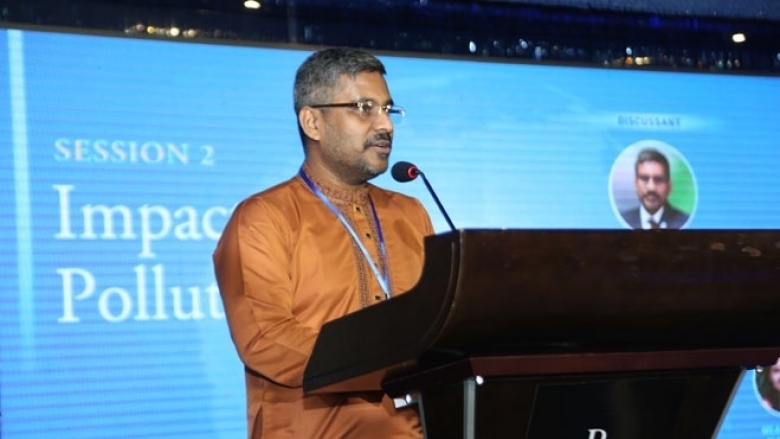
[[382, 278]]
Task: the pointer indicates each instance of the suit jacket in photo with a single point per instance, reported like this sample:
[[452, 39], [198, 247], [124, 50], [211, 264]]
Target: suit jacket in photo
[[673, 218]]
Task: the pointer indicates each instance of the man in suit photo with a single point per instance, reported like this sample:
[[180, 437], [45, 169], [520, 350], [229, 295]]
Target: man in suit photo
[[653, 185]]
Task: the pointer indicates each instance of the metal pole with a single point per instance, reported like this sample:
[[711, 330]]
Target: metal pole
[[469, 407]]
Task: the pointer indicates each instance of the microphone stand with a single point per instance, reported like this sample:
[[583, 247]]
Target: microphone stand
[[436, 199]]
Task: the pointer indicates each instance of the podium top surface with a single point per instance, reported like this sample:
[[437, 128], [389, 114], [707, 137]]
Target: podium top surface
[[530, 292]]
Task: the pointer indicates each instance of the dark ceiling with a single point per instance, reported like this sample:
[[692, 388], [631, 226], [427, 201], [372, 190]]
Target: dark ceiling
[[754, 9], [679, 34], [750, 9]]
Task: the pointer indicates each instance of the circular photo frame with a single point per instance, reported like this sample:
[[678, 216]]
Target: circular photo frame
[[679, 196], [766, 387]]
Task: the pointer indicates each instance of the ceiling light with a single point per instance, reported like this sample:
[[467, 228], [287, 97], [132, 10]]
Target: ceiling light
[[738, 38], [252, 4]]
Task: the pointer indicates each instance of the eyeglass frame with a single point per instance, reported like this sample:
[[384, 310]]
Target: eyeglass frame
[[657, 179], [388, 109]]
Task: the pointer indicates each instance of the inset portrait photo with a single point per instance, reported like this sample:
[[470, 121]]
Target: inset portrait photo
[[652, 186], [767, 387]]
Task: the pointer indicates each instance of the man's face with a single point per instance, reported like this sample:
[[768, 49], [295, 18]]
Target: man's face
[[652, 185], [774, 375], [357, 147]]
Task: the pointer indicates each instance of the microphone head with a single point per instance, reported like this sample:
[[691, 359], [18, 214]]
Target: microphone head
[[404, 171]]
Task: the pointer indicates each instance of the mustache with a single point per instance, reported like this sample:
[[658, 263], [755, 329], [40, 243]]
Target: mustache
[[381, 137]]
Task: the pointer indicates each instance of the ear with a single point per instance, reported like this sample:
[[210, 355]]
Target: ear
[[311, 122]]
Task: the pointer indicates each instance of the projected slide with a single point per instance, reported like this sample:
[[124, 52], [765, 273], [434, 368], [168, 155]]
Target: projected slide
[[123, 159]]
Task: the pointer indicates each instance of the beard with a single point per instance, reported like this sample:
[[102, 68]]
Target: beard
[[358, 167], [652, 202]]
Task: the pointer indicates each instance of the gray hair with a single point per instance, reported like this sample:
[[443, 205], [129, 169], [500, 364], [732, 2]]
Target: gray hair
[[652, 155], [318, 76]]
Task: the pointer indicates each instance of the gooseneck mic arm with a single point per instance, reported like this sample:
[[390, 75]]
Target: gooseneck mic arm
[[405, 171]]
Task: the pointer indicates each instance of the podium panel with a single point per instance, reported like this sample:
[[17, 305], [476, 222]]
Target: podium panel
[[669, 405]]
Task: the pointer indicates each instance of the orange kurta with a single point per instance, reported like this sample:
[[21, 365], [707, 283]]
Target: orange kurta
[[285, 265]]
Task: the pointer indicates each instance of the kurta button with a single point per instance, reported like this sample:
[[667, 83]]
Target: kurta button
[[377, 297], [368, 235]]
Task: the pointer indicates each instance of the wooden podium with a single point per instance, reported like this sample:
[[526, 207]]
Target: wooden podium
[[550, 333]]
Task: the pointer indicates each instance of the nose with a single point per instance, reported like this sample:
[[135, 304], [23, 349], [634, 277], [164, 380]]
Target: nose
[[382, 122]]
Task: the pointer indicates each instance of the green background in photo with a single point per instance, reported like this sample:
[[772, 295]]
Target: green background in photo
[[683, 194]]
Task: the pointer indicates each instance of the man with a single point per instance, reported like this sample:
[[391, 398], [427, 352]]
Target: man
[[318, 246], [653, 186], [768, 382]]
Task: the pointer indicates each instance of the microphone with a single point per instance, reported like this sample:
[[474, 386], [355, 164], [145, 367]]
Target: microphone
[[405, 171]]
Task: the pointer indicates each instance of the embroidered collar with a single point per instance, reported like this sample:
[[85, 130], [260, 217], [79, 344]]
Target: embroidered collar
[[338, 193]]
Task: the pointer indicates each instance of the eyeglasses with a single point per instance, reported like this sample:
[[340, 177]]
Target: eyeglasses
[[370, 110], [657, 179]]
